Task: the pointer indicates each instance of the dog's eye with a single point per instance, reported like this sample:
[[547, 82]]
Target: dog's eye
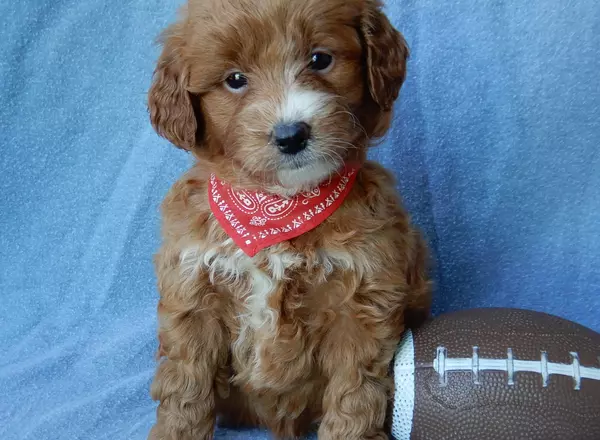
[[236, 82], [320, 61]]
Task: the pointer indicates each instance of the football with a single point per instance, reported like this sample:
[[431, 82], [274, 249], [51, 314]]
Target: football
[[497, 374]]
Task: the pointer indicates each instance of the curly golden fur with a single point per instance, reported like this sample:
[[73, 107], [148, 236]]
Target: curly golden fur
[[302, 334]]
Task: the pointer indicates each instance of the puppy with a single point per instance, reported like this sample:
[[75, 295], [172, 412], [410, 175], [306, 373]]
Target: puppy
[[291, 327]]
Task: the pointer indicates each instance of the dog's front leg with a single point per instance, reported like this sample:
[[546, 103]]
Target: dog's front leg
[[355, 358], [355, 403], [194, 345]]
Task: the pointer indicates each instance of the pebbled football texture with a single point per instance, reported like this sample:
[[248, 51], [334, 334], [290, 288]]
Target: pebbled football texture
[[505, 374]]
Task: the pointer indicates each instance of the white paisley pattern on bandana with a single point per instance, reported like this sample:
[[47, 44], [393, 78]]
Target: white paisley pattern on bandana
[[256, 220]]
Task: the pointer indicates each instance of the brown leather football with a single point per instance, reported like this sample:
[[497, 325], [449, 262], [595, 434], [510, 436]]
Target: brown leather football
[[497, 374]]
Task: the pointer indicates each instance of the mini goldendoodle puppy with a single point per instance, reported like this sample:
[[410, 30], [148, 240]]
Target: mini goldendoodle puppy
[[288, 269]]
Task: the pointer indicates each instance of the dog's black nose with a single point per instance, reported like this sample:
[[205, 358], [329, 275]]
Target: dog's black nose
[[291, 138]]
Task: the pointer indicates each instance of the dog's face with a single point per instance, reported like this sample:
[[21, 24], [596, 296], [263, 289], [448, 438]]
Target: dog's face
[[283, 91]]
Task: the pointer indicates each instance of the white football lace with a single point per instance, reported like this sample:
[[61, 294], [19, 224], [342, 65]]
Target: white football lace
[[443, 364]]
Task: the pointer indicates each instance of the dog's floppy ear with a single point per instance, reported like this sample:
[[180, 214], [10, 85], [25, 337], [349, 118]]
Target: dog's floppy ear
[[386, 55], [172, 112]]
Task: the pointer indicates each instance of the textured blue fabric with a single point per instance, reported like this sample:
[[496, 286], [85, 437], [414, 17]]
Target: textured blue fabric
[[496, 147]]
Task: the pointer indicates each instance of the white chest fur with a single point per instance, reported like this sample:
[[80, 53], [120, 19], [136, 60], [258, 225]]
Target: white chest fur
[[249, 283], [253, 286]]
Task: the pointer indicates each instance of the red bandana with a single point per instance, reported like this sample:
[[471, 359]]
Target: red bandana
[[257, 220]]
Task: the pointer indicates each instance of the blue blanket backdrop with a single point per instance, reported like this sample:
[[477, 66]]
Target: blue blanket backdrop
[[496, 146]]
